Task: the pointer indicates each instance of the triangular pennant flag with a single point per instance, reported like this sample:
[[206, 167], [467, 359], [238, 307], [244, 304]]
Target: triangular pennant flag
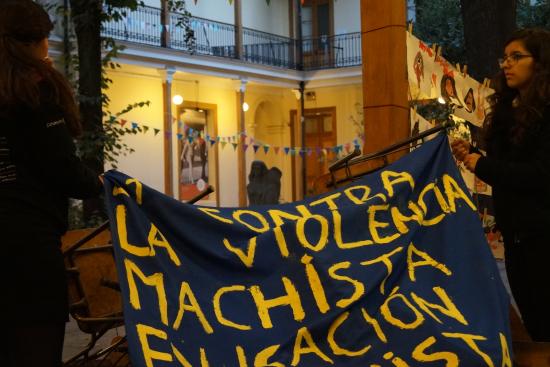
[[180, 136], [218, 138], [256, 147], [123, 122], [245, 147], [276, 149], [266, 149], [190, 139], [235, 145], [230, 2], [134, 125], [223, 144], [302, 152], [168, 134], [318, 151], [309, 151], [145, 129], [156, 131], [212, 142], [286, 149]]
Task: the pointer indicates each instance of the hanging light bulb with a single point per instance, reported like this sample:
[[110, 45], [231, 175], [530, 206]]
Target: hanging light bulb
[[245, 107], [177, 100], [441, 100]]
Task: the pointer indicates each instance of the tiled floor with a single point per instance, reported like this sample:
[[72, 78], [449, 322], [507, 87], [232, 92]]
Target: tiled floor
[[76, 340]]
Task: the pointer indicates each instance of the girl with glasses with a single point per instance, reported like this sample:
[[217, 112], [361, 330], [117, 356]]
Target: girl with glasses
[[517, 166]]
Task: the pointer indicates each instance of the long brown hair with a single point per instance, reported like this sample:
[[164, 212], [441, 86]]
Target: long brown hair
[[23, 23], [528, 109]]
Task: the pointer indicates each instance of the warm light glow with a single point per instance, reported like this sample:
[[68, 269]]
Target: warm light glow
[[245, 107], [441, 100], [177, 100]]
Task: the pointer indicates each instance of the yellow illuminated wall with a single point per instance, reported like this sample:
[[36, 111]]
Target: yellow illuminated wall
[[267, 121], [131, 86]]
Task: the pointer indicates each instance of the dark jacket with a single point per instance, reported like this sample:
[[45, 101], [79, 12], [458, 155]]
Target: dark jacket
[[520, 177], [39, 172]]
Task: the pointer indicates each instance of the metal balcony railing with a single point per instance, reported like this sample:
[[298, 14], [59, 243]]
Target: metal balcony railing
[[332, 51], [213, 38], [269, 49], [139, 26]]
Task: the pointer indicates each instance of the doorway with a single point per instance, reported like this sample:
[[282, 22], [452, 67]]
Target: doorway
[[197, 156], [317, 32], [320, 137]]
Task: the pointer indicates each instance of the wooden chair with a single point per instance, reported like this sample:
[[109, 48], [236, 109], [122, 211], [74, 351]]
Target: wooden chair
[[94, 297], [95, 300]]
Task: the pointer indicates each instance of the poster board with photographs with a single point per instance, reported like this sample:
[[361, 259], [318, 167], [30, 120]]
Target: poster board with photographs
[[432, 78]]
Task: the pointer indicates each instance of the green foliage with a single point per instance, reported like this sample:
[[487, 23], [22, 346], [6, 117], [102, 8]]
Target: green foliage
[[536, 15], [440, 22], [109, 139], [76, 219], [432, 110], [184, 21]]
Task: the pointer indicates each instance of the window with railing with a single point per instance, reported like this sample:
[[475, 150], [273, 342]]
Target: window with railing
[[213, 38]]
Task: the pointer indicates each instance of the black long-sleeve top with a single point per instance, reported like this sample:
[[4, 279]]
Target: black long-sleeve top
[[39, 172], [520, 177]]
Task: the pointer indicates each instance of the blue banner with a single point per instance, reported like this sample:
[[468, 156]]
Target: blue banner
[[390, 270]]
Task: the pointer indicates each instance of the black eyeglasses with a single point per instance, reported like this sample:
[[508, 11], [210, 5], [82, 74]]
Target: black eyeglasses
[[512, 59]]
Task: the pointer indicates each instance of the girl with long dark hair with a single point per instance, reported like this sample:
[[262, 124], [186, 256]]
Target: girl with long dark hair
[[517, 166], [39, 172]]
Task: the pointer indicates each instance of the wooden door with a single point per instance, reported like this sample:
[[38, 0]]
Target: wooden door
[[320, 132]]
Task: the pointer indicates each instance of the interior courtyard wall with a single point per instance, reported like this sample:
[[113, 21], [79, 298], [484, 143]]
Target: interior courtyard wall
[[147, 162], [272, 18], [347, 16], [218, 10]]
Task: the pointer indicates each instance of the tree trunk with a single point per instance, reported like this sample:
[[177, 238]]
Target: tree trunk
[[86, 16], [487, 26]]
